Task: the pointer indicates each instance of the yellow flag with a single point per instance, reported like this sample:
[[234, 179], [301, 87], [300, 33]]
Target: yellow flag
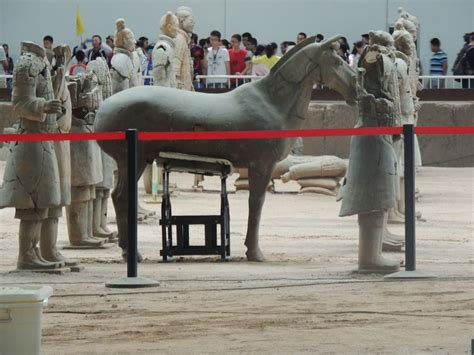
[[79, 23]]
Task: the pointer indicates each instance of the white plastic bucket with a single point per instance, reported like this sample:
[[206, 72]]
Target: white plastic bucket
[[21, 311]]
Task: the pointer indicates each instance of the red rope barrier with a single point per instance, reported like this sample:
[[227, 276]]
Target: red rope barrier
[[267, 134], [233, 135], [444, 130], [39, 137]]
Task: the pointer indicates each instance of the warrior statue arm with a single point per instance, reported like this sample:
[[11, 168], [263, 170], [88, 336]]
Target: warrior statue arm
[[160, 61], [181, 50], [24, 99]]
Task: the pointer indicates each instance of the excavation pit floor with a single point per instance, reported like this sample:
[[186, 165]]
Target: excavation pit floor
[[304, 298]]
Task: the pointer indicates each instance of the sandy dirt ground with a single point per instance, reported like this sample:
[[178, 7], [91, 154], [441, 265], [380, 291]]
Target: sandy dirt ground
[[304, 299]]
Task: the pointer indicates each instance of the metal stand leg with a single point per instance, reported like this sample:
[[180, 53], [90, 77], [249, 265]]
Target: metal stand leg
[[166, 226], [225, 226]]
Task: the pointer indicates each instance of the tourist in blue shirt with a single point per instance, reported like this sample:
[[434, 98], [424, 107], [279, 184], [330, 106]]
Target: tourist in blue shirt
[[438, 65]]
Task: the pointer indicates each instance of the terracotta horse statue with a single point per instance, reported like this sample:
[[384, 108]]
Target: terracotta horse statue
[[278, 101]]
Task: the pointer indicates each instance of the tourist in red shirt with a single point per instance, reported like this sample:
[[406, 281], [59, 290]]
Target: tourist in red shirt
[[80, 67], [237, 58]]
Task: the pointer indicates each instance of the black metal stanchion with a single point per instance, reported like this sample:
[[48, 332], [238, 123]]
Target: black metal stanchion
[[410, 213], [132, 280]]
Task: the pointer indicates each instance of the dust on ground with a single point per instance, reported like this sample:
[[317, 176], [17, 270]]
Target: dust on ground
[[304, 298]]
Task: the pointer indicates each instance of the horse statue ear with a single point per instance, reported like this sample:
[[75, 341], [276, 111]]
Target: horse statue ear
[[330, 41]]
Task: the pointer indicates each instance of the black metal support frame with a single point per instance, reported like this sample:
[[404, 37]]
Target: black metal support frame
[[182, 224]]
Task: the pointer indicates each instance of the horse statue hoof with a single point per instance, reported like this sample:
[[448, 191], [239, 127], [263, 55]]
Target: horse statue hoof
[[125, 256], [255, 255]]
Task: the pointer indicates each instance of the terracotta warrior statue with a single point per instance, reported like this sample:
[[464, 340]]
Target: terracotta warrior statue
[[102, 190], [86, 164], [35, 180], [126, 72], [164, 74], [370, 188], [61, 87], [411, 24], [163, 55], [404, 46], [391, 241], [183, 63], [126, 69]]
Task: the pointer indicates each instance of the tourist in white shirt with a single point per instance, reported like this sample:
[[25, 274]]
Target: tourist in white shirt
[[357, 51], [3, 67], [217, 62]]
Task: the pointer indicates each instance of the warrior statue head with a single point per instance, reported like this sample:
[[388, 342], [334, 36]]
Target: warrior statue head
[[407, 25], [403, 41], [407, 16], [381, 38], [169, 24], [124, 37], [31, 47], [186, 18]]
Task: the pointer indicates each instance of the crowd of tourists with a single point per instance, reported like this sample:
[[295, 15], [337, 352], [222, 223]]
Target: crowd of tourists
[[245, 55]]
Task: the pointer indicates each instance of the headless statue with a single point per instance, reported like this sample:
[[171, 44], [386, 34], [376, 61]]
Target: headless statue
[[33, 182], [102, 190], [86, 164], [370, 188]]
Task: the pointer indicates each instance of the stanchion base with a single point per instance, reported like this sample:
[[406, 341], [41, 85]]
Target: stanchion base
[[132, 282], [409, 275]]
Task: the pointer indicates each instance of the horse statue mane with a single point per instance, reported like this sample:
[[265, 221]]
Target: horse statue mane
[[281, 65], [290, 54]]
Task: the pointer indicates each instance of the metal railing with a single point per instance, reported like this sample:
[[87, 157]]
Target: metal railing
[[232, 81], [215, 81], [447, 81], [223, 81]]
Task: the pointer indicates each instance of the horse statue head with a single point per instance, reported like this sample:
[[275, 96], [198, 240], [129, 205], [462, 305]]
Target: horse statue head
[[318, 63], [334, 72]]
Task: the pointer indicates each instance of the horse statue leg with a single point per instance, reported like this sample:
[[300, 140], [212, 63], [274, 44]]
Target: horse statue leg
[[120, 200], [259, 177]]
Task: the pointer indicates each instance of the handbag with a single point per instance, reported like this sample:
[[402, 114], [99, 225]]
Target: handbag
[[459, 69]]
